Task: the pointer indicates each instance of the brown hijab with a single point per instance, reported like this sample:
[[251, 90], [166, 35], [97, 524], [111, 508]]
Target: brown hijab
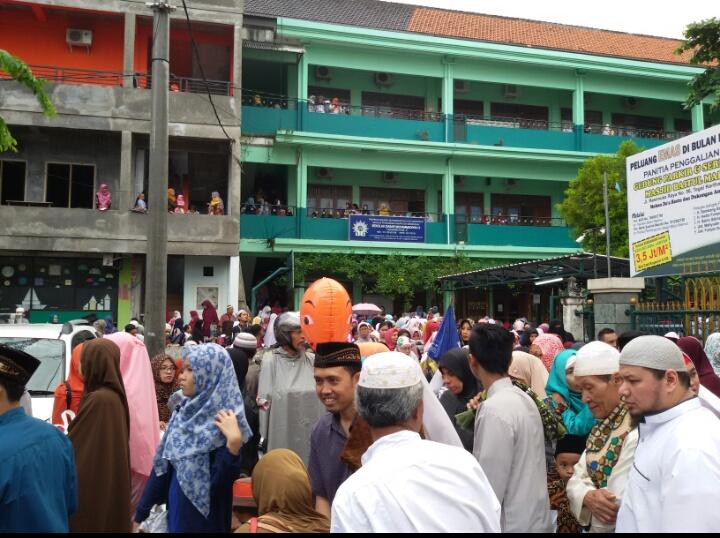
[[281, 488], [163, 391], [100, 434]]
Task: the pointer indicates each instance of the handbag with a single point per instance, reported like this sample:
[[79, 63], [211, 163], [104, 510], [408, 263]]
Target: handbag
[[156, 522]]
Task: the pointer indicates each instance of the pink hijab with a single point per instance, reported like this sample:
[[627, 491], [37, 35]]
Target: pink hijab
[[388, 338], [104, 198], [551, 345], [139, 384]]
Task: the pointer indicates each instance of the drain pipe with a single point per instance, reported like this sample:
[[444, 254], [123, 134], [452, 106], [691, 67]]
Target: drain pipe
[[253, 292]]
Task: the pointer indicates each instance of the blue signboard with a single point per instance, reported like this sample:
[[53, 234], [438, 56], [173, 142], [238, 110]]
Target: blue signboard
[[394, 229]]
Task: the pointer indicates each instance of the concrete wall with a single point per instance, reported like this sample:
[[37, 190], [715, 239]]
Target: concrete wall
[[37, 147], [194, 278], [122, 232]]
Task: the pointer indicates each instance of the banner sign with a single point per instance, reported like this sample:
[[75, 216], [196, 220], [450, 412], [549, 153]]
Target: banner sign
[[391, 229], [674, 206]]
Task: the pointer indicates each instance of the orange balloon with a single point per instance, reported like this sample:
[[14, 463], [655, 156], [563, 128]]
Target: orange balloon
[[325, 312], [371, 348]]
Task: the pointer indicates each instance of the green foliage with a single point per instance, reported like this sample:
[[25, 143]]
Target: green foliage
[[21, 73], [703, 39], [394, 275], [583, 206]]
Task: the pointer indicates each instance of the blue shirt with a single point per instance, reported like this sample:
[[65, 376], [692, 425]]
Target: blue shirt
[[38, 484], [327, 471], [182, 514]]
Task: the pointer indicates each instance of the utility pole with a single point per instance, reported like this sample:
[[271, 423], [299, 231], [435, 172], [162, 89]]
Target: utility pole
[[156, 257], [607, 222]]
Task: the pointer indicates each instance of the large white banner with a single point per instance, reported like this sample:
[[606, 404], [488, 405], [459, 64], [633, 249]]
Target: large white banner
[[674, 206]]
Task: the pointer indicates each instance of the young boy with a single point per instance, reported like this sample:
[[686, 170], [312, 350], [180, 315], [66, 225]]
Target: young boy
[[567, 454]]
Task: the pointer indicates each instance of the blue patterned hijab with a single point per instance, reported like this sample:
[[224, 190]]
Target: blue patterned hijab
[[192, 434]]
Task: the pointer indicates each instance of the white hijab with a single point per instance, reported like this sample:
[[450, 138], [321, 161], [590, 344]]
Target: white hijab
[[269, 339]]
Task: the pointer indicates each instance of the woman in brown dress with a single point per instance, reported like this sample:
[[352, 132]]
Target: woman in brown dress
[[100, 435]]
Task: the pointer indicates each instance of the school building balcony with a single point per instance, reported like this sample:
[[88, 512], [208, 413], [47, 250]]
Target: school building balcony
[[374, 122]]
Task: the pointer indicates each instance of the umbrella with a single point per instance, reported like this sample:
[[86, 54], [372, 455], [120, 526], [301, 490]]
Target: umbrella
[[366, 309]]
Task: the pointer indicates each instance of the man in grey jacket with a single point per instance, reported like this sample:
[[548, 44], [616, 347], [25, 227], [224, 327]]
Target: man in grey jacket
[[509, 438]]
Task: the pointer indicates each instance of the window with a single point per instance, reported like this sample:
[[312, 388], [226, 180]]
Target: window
[[326, 197], [683, 126], [12, 187], [530, 116], [469, 206], [592, 117], [634, 125], [70, 185], [398, 201], [521, 209], [50, 353], [394, 106]]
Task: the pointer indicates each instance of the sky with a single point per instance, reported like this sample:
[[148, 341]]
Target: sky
[[638, 17]]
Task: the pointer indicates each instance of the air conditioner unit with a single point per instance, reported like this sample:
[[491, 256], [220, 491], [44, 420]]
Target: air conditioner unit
[[323, 173], [462, 86], [322, 72], [390, 177], [511, 90], [383, 79], [459, 181], [77, 37], [631, 102], [510, 183]]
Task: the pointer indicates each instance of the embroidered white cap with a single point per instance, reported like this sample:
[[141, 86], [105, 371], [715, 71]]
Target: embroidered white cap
[[390, 370], [654, 352], [597, 358]]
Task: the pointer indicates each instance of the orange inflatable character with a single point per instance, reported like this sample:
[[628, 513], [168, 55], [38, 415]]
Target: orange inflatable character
[[325, 312]]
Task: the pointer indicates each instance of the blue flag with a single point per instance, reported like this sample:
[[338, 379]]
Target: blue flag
[[447, 337]]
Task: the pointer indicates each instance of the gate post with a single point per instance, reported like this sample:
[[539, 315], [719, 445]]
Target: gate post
[[612, 296]]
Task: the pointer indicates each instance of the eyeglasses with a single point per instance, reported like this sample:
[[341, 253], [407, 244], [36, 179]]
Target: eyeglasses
[[167, 369]]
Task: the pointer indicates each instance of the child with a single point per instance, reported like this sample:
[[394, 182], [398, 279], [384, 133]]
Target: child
[[567, 454]]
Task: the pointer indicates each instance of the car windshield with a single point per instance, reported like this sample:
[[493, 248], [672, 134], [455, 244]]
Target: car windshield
[[51, 354]]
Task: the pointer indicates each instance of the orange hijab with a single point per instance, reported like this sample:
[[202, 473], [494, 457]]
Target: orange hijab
[[77, 387]]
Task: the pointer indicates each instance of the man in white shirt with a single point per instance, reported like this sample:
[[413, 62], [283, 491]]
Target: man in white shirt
[[509, 438], [407, 484], [674, 485], [599, 479]]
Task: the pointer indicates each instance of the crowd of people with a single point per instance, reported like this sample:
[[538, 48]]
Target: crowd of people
[[514, 428]]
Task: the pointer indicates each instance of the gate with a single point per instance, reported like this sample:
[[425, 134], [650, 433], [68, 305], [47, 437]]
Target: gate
[[697, 315]]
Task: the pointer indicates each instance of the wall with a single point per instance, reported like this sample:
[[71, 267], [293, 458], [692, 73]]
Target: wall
[[194, 278], [43, 43], [40, 146]]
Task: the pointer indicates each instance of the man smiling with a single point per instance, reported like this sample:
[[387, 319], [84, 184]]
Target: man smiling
[[337, 371]]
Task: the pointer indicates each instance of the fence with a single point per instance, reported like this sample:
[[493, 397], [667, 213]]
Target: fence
[[697, 315]]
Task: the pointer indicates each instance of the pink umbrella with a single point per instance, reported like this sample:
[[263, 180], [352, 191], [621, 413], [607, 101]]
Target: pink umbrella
[[366, 309]]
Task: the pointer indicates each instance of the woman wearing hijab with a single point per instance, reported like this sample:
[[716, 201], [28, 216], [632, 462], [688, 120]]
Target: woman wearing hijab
[[464, 331], [547, 347], [69, 394], [209, 317], [199, 458], [391, 336], [281, 488], [564, 394], [109, 327], [712, 351], [216, 205], [694, 349], [529, 370], [165, 376], [430, 328], [103, 198], [100, 436], [528, 337], [137, 377], [461, 388]]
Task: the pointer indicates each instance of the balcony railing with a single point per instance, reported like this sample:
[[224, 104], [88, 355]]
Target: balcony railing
[[509, 220], [71, 75]]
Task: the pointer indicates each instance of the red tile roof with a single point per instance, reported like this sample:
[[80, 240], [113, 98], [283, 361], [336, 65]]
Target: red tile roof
[[544, 35]]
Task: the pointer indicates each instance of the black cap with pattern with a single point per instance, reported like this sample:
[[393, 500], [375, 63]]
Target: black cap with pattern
[[332, 354], [17, 365]]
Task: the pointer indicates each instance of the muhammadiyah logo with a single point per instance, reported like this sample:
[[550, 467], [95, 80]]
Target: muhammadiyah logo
[[360, 228]]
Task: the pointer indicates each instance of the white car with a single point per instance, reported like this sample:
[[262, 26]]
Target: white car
[[51, 344]]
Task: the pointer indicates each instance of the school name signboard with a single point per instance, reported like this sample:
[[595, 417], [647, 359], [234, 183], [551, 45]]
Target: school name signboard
[[390, 229], [674, 206]]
